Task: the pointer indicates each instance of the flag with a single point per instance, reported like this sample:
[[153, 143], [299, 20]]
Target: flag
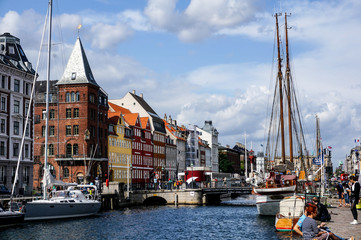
[[329, 147], [79, 26]]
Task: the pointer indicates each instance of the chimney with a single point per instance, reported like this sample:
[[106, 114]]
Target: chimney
[[141, 95], [170, 119], [133, 92], [165, 116], [175, 122]]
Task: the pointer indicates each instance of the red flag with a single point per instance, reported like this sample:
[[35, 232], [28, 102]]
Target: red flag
[[329, 147]]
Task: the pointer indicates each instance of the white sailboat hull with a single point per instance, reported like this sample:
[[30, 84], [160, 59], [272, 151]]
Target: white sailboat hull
[[47, 209]]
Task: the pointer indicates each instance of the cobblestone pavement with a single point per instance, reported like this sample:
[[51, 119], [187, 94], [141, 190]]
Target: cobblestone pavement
[[340, 221]]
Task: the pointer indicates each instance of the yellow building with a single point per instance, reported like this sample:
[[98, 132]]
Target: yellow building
[[119, 147]]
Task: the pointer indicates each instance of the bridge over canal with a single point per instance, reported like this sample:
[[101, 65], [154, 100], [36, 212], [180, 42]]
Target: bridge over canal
[[203, 196]]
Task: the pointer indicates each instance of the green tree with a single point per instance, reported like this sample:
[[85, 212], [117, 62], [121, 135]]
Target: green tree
[[224, 164]]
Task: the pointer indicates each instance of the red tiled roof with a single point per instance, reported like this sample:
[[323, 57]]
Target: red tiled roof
[[118, 108], [131, 118], [144, 121]]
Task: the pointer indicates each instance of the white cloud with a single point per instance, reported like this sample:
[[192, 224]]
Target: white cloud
[[108, 36]]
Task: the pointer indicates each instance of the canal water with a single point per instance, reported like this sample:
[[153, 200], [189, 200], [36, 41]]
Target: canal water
[[233, 219]]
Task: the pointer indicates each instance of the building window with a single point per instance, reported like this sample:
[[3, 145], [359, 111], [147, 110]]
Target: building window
[[67, 97], [2, 126], [26, 174], [52, 114], [75, 149], [26, 150], [44, 114], [51, 149], [2, 174], [2, 148], [76, 112], [27, 131], [3, 82], [15, 149], [16, 106], [68, 150], [92, 114], [3, 103], [73, 76], [73, 97], [16, 85], [66, 173], [92, 98], [76, 130], [68, 130], [16, 128], [68, 113], [43, 131], [27, 88], [26, 109], [51, 130], [77, 96]]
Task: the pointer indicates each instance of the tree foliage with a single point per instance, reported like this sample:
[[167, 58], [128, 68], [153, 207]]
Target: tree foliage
[[224, 164]]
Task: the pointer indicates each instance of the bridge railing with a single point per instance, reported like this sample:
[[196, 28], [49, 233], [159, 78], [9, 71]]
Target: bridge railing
[[171, 185]]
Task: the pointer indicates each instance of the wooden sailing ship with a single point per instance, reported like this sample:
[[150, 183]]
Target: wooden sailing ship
[[284, 171]]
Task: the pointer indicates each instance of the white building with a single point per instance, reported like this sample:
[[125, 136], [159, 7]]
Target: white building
[[16, 75], [210, 134]]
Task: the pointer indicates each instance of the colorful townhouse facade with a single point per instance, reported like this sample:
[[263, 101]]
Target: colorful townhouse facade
[[137, 104]]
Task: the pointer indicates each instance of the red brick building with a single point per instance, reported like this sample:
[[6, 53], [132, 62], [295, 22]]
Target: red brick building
[[78, 124]]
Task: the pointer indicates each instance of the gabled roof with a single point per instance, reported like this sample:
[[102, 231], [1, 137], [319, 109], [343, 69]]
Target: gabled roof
[[145, 105], [77, 70], [117, 108], [144, 121], [131, 118], [172, 130]]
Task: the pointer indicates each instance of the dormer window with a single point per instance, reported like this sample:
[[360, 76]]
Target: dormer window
[[73, 76], [11, 50]]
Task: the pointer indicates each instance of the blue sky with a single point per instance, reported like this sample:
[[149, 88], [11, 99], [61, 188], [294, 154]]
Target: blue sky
[[200, 60]]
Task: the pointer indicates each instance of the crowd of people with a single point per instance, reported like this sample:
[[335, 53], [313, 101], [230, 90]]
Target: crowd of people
[[312, 224]]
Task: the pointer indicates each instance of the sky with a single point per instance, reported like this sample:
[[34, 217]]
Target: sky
[[200, 60]]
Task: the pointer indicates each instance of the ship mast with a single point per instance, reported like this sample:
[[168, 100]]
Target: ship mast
[[288, 92], [280, 92]]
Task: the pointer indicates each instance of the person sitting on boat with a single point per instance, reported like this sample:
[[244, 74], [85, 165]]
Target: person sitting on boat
[[322, 212], [310, 230]]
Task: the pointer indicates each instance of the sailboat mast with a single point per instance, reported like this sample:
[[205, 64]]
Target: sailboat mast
[[288, 92], [280, 92], [47, 98]]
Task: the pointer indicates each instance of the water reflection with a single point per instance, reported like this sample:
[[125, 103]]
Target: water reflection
[[233, 219]]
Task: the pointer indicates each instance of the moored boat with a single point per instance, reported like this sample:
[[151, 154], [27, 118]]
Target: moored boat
[[291, 209], [10, 217]]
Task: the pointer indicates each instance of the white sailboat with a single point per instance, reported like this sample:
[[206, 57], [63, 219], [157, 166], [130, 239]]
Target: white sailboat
[[67, 203]]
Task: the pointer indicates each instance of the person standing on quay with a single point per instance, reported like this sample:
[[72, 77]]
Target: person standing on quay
[[354, 197]]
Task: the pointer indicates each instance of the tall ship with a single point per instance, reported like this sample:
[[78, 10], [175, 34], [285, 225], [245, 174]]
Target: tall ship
[[285, 134]]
